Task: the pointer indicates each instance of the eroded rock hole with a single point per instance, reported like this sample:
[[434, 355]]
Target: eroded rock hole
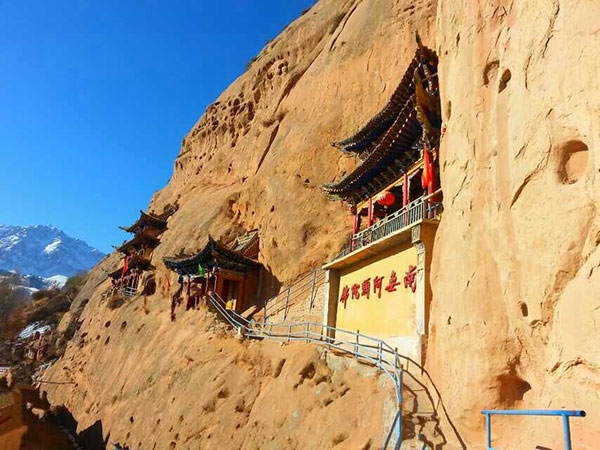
[[504, 79], [240, 405], [223, 393], [107, 324], [524, 309], [279, 368], [512, 388], [573, 160], [308, 371], [490, 71], [339, 438]]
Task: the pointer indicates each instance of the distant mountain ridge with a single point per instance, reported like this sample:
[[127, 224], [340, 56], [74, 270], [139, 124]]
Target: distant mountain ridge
[[44, 251]]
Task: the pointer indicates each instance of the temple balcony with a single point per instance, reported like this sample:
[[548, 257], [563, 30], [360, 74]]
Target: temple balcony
[[390, 230]]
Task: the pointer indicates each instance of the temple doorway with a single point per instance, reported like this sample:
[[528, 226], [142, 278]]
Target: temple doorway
[[231, 292]]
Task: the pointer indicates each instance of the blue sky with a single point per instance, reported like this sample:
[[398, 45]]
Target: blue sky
[[96, 96]]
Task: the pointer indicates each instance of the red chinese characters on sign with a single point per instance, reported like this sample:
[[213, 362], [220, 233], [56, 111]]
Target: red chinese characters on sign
[[366, 288], [377, 284], [345, 295], [410, 278], [356, 291], [391, 287]]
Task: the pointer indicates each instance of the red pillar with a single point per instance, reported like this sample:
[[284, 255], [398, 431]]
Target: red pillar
[[405, 190], [370, 217], [431, 189]]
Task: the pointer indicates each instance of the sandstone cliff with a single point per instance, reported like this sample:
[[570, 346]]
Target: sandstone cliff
[[516, 308], [514, 314], [260, 153]]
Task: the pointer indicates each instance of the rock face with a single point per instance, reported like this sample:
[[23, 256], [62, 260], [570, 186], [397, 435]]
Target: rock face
[[515, 311], [260, 153], [189, 384], [44, 251]]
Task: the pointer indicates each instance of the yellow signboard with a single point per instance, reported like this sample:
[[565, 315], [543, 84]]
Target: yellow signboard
[[377, 295]]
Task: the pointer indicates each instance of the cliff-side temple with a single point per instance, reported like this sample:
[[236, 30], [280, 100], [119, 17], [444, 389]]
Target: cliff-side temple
[[379, 285], [137, 270], [232, 273]]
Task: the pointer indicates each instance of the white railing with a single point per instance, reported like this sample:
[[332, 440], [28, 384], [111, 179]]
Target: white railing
[[305, 287], [421, 209], [362, 347], [128, 291]]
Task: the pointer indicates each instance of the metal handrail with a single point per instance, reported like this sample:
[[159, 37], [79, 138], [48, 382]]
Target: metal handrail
[[428, 196], [532, 412], [297, 285], [312, 280], [415, 211], [400, 219], [289, 300], [379, 353], [298, 289], [128, 291]]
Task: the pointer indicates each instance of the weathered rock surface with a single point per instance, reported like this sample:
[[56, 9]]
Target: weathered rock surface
[[260, 153], [155, 384], [516, 310], [515, 313]]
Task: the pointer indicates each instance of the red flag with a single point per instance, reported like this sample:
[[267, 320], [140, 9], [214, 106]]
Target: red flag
[[405, 190], [427, 175], [125, 267]]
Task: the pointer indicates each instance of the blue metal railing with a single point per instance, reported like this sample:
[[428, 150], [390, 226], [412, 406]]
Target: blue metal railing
[[532, 412]]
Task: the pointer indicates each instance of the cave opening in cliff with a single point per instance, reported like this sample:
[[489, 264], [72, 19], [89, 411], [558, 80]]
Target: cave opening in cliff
[[572, 161]]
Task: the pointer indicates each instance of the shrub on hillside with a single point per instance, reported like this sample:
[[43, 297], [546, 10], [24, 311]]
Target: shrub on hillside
[[74, 284], [46, 307], [11, 298], [44, 293], [14, 324]]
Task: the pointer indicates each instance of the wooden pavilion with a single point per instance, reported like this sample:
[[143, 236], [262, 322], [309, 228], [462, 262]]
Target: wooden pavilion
[[233, 274], [137, 252], [395, 148]]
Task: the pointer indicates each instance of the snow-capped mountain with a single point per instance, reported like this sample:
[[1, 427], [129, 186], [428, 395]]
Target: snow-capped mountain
[[28, 284], [44, 251]]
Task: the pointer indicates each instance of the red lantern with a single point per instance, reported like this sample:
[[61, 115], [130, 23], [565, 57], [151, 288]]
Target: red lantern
[[386, 198]]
